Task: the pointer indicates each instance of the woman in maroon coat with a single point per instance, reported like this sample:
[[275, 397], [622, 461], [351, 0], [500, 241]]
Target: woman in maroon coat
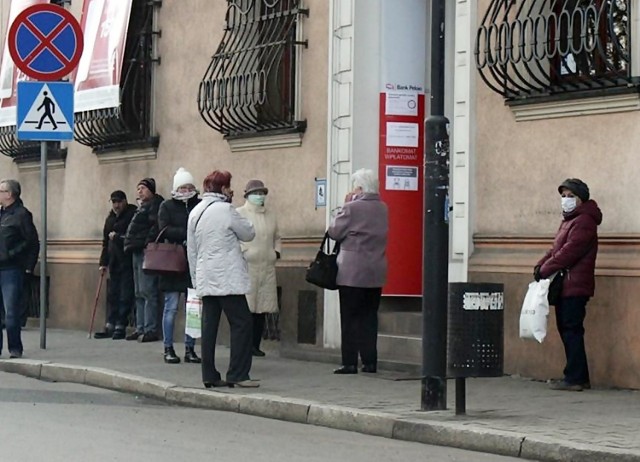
[[574, 251]]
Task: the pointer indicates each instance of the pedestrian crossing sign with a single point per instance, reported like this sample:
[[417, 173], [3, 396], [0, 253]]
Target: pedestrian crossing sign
[[45, 111]]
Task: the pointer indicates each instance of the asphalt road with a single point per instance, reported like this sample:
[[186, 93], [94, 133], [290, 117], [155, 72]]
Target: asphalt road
[[53, 422]]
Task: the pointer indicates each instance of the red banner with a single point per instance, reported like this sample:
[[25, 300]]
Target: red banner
[[97, 79], [401, 158]]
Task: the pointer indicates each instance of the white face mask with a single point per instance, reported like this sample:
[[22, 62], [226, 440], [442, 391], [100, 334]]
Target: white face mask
[[568, 204]]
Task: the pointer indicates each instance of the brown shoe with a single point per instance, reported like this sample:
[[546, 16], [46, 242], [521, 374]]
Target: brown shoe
[[133, 336], [245, 384], [561, 385]]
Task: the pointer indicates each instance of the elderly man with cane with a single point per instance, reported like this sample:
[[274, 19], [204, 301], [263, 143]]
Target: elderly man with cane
[[114, 258]]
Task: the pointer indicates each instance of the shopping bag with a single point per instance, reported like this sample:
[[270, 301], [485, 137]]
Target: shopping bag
[[193, 322], [535, 309]]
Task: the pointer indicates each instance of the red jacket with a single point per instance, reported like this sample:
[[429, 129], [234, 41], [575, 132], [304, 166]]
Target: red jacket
[[575, 248]]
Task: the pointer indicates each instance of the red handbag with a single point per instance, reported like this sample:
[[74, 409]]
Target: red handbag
[[164, 258]]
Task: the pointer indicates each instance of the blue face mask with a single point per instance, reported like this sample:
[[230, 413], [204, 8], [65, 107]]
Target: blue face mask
[[256, 199]]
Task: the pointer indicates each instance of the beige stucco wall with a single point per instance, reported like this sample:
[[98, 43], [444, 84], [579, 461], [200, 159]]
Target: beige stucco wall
[[519, 166], [78, 194]]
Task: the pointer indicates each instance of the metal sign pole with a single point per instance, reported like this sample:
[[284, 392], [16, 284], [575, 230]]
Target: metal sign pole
[[39, 29], [43, 245]]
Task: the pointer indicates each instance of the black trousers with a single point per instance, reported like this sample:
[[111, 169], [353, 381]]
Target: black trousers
[[359, 319], [258, 328], [120, 297], [570, 314], [237, 312]]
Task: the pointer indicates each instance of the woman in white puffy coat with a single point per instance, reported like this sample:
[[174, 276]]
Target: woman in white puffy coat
[[261, 254], [221, 278]]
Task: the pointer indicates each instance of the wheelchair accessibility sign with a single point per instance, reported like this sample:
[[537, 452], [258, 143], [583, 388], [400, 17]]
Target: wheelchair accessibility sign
[[45, 111]]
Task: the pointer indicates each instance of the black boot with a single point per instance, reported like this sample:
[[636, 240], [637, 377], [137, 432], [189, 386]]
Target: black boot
[[190, 356], [170, 356]]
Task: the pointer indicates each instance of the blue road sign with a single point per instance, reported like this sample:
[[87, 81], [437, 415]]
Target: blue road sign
[[45, 42], [45, 111]]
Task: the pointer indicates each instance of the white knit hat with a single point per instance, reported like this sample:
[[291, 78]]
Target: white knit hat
[[181, 178]]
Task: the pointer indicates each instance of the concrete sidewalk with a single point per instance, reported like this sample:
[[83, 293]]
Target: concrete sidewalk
[[509, 416]]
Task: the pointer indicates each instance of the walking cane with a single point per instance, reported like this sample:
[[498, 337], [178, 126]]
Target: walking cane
[[95, 305]]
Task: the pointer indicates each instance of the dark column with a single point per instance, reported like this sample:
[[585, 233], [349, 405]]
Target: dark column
[[436, 228]]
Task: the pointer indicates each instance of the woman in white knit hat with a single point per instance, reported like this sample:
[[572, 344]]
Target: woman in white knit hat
[[172, 218]]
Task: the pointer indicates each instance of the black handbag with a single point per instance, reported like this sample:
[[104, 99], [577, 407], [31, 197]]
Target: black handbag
[[323, 271], [555, 288]]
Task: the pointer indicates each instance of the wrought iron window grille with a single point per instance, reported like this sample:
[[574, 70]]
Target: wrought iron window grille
[[128, 126], [531, 49], [249, 88]]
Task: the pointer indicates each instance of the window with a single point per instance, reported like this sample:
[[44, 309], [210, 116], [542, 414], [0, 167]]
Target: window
[[114, 80], [250, 85], [532, 49]]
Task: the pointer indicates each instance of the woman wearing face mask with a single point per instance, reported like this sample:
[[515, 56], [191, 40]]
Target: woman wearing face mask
[[574, 250], [261, 254], [172, 218]]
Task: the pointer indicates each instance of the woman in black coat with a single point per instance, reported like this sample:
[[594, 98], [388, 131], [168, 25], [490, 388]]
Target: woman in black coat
[[172, 223]]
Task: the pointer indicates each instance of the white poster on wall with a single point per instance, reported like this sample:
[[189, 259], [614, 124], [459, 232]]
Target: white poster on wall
[[403, 134], [401, 103]]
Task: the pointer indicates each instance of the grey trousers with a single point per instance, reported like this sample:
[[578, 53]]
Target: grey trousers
[[146, 291], [237, 312]]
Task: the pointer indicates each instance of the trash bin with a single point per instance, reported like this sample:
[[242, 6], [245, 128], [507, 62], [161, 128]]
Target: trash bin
[[475, 333]]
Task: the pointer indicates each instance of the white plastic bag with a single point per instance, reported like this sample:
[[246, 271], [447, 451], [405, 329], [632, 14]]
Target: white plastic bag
[[193, 321], [535, 309]]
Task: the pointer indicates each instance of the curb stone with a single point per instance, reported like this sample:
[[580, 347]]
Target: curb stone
[[374, 423], [549, 450], [459, 436], [344, 418], [275, 407], [27, 367], [63, 373], [194, 397]]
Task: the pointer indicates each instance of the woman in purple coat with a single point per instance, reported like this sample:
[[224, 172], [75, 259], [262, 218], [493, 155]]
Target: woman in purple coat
[[574, 251], [361, 229]]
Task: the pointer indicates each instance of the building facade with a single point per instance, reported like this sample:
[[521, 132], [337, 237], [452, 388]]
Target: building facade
[[298, 92]]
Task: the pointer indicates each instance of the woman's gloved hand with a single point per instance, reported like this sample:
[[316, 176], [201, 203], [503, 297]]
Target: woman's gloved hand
[[536, 273]]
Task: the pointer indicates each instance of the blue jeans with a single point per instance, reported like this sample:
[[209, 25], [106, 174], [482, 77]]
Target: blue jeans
[[11, 280], [146, 292], [169, 320]]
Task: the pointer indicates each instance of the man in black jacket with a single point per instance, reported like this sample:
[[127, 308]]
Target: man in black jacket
[[114, 258], [142, 230], [19, 249]]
